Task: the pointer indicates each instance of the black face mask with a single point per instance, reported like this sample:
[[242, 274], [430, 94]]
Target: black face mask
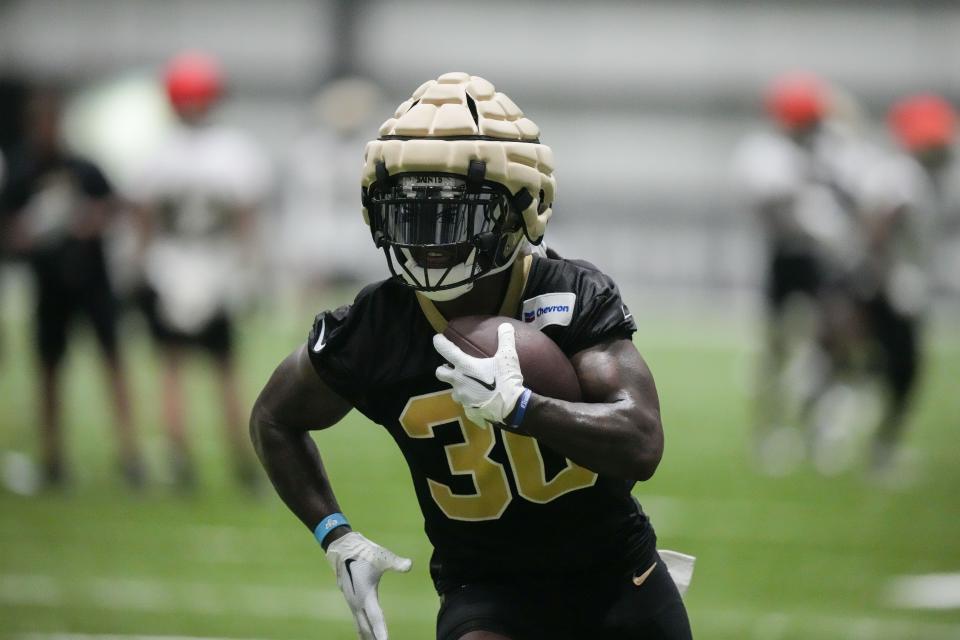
[[428, 223]]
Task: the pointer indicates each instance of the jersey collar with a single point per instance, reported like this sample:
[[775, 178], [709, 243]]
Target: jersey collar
[[511, 300]]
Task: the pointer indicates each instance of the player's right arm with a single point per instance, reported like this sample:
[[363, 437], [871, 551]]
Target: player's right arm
[[294, 402]]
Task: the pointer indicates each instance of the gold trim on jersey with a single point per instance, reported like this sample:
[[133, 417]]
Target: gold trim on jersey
[[511, 300], [433, 315], [518, 282]]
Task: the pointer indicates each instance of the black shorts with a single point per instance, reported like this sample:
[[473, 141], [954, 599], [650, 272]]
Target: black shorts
[[215, 337], [792, 273], [72, 281], [897, 338], [600, 606]]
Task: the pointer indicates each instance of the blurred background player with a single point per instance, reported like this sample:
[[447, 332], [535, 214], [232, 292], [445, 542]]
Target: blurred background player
[[319, 191], [902, 207], [55, 208], [199, 196], [798, 180]]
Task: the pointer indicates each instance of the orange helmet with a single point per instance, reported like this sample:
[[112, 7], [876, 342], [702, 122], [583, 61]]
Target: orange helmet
[[193, 81], [922, 122], [796, 100]]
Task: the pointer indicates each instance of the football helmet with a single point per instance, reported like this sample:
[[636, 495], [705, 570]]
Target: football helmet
[[193, 81], [455, 185], [797, 100], [923, 122]]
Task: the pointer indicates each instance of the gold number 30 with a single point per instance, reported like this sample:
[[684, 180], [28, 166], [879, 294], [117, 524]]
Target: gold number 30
[[471, 457]]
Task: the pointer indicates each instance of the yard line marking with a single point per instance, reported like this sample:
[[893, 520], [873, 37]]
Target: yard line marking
[[687, 516], [219, 544], [769, 625], [328, 604], [123, 594], [155, 596], [29, 589], [930, 591], [113, 636]]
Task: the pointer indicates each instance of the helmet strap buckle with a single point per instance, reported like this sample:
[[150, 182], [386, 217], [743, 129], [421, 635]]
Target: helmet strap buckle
[[476, 173]]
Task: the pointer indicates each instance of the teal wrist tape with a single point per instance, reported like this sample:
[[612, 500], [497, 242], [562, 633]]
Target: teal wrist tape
[[328, 524]]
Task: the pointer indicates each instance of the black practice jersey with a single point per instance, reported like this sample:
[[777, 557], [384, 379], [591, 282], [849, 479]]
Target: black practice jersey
[[50, 195], [30, 177], [494, 503]]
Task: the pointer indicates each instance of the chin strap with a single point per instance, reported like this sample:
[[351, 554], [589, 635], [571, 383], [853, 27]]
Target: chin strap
[[521, 201], [486, 244], [447, 294]]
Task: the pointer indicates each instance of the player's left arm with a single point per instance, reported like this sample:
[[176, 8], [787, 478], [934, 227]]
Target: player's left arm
[[616, 430]]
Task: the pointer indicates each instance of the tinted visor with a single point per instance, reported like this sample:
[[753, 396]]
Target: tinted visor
[[430, 211]]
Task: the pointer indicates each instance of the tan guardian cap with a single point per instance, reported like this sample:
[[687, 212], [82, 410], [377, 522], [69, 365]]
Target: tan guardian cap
[[457, 119]]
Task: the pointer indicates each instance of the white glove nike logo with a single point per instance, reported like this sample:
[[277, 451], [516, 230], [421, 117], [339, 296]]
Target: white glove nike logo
[[318, 347], [359, 564], [490, 386], [487, 388], [346, 565]]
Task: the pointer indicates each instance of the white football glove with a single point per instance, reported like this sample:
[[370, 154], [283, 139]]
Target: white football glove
[[359, 564], [488, 388]]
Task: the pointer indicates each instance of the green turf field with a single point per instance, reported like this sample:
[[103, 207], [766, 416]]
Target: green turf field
[[799, 557]]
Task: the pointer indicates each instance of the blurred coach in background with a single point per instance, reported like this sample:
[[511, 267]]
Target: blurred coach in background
[[55, 207], [198, 196], [904, 206]]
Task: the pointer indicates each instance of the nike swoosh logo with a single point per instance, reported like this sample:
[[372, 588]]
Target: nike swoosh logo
[[639, 580], [346, 565], [489, 386], [318, 347]]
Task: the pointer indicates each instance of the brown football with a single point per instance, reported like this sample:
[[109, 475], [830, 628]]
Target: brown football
[[546, 369]]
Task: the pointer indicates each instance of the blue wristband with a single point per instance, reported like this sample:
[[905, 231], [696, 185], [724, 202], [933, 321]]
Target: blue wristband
[[328, 524], [521, 407]]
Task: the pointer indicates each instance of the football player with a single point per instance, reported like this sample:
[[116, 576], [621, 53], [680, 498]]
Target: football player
[[901, 207], [799, 180], [526, 499], [55, 208], [198, 196]]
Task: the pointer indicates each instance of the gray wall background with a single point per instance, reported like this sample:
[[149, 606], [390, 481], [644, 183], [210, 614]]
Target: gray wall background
[[643, 102]]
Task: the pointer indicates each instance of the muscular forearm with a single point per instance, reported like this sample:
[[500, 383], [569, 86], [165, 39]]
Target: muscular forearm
[[293, 464], [292, 403], [617, 438]]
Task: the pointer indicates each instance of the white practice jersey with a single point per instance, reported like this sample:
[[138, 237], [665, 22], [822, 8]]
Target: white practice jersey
[[897, 190], [804, 196], [195, 186]]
